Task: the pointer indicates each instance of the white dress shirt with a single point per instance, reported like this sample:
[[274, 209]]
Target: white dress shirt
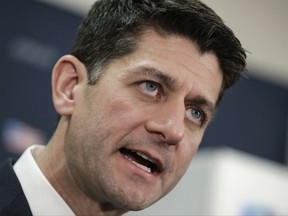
[[43, 199]]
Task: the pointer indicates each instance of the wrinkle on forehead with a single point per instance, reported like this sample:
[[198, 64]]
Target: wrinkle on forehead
[[172, 42]]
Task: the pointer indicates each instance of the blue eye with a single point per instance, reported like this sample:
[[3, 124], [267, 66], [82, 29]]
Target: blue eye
[[151, 86], [195, 115]]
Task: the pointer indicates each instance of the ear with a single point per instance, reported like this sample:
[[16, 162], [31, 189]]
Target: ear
[[67, 74]]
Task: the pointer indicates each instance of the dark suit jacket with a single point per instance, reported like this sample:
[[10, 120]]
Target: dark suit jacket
[[12, 199]]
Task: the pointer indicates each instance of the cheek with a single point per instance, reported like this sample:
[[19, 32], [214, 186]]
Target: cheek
[[191, 142], [124, 113], [185, 156], [187, 151], [121, 108]]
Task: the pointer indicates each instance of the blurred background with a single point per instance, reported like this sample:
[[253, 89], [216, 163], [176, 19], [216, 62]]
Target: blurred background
[[252, 121]]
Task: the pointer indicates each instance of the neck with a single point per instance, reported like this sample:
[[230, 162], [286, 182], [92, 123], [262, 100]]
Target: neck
[[53, 164]]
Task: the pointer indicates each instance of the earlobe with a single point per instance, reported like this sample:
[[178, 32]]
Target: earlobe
[[67, 74]]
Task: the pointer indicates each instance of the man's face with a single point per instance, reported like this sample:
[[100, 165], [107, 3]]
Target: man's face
[[132, 135]]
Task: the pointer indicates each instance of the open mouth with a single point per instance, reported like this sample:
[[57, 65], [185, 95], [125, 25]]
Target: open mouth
[[141, 160]]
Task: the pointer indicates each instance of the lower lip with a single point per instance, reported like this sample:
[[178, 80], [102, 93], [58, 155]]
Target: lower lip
[[138, 170]]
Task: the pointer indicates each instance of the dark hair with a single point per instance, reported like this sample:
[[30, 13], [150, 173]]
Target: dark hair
[[112, 29]]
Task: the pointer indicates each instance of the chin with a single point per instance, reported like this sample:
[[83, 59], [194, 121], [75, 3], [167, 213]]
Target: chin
[[135, 206], [133, 202]]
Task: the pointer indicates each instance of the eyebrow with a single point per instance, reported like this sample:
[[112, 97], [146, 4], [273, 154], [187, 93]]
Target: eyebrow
[[154, 73]]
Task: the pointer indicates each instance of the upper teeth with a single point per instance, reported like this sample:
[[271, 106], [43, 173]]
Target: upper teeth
[[146, 157]]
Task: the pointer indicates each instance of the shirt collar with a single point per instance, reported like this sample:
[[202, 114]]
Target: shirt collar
[[43, 199]]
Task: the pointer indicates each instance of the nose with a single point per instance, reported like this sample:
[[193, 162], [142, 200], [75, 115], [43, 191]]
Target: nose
[[167, 122]]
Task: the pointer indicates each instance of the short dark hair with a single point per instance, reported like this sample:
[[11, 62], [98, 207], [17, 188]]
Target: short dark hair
[[112, 29]]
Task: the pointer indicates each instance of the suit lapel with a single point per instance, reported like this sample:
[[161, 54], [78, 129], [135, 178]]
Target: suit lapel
[[12, 198]]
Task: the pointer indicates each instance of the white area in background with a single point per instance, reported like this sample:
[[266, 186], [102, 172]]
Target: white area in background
[[227, 182], [261, 26]]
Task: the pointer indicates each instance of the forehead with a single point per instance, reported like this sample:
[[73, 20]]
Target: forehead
[[185, 51]]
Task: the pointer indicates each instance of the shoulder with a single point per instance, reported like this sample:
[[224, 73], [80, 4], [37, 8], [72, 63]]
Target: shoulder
[[12, 198]]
